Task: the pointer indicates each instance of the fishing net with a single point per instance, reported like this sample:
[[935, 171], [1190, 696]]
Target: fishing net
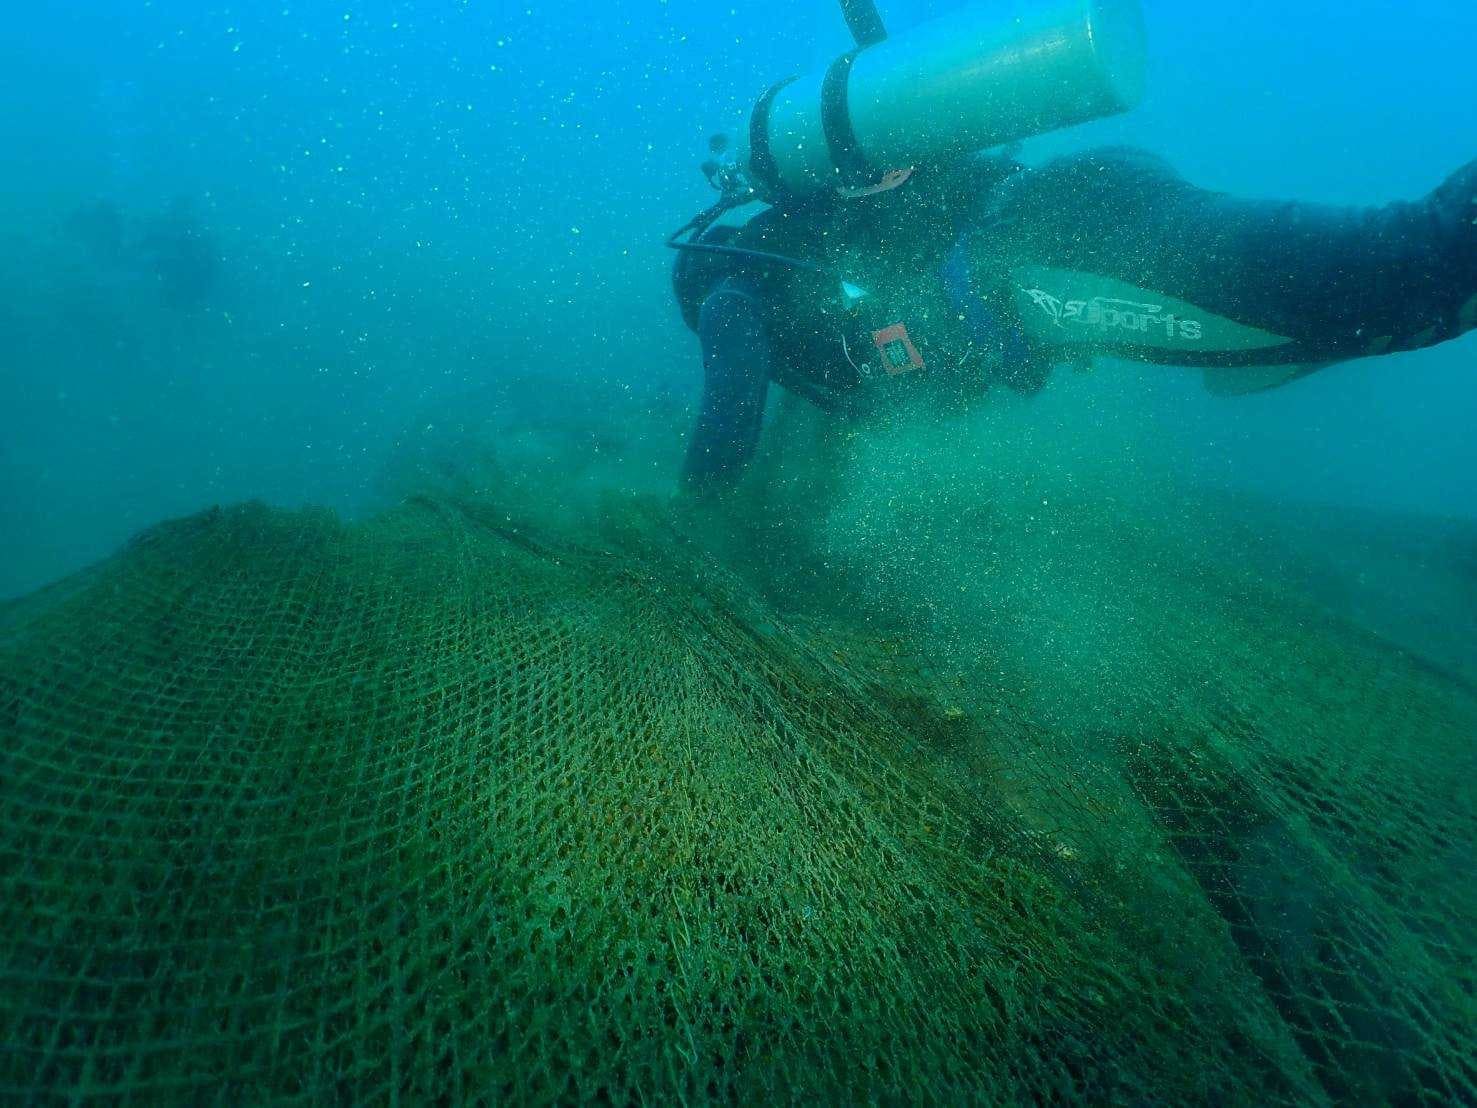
[[443, 805]]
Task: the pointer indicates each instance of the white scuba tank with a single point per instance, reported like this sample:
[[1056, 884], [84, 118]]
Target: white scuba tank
[[990, 73]]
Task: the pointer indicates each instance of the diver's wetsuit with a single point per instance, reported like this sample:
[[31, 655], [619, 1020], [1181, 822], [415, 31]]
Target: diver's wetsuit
[[992, 272]]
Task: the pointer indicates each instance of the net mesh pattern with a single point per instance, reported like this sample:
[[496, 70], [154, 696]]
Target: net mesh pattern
[[437, 807]]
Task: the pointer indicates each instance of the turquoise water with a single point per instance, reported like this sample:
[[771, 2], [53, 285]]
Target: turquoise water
[[1111, 745], [409, 203]]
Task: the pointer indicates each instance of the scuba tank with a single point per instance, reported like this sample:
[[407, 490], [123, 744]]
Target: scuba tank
[[988, 74], [991, 73]]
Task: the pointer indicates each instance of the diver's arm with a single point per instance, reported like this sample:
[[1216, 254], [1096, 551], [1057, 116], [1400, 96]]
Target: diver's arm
[[736, 368], [1352, 282], [1112, 252]]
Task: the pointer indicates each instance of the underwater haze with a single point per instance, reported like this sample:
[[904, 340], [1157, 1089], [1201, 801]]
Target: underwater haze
[[400, 204], [389, 715]]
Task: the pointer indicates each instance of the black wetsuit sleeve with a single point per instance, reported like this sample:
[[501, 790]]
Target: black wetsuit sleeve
[[736, 369], [1333, 282]]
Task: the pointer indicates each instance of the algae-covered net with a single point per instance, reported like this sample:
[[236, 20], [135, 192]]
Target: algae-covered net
[[446, 805]]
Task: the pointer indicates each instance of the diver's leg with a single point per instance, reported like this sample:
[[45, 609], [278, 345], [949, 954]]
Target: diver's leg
[[736, 368], [1113, 251]]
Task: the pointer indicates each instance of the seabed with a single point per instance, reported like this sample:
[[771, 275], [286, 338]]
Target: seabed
[[1067, 801]]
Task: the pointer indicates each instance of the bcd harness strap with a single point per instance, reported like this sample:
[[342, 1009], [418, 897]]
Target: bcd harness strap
[[761, 157], [864, 21], [851, 163], [846, 152]]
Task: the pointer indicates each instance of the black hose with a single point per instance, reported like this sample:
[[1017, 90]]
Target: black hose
[[762, 256], [698, 226]]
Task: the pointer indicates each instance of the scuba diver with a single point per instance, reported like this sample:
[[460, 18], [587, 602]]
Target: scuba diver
[[893, 252], [172, 250], [182, 256]]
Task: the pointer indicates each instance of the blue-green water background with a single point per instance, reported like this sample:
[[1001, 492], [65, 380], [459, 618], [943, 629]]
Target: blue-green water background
[[414, 201]]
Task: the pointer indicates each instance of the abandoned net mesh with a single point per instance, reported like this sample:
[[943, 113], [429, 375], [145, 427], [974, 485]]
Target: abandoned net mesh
[[437, 806]]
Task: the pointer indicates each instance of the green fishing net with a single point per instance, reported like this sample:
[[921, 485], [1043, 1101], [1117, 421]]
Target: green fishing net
[[445, 805]]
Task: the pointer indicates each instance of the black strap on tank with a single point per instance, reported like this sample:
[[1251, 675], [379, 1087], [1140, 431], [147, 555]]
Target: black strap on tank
[[846, 153], [761, 157], [864, 22]]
